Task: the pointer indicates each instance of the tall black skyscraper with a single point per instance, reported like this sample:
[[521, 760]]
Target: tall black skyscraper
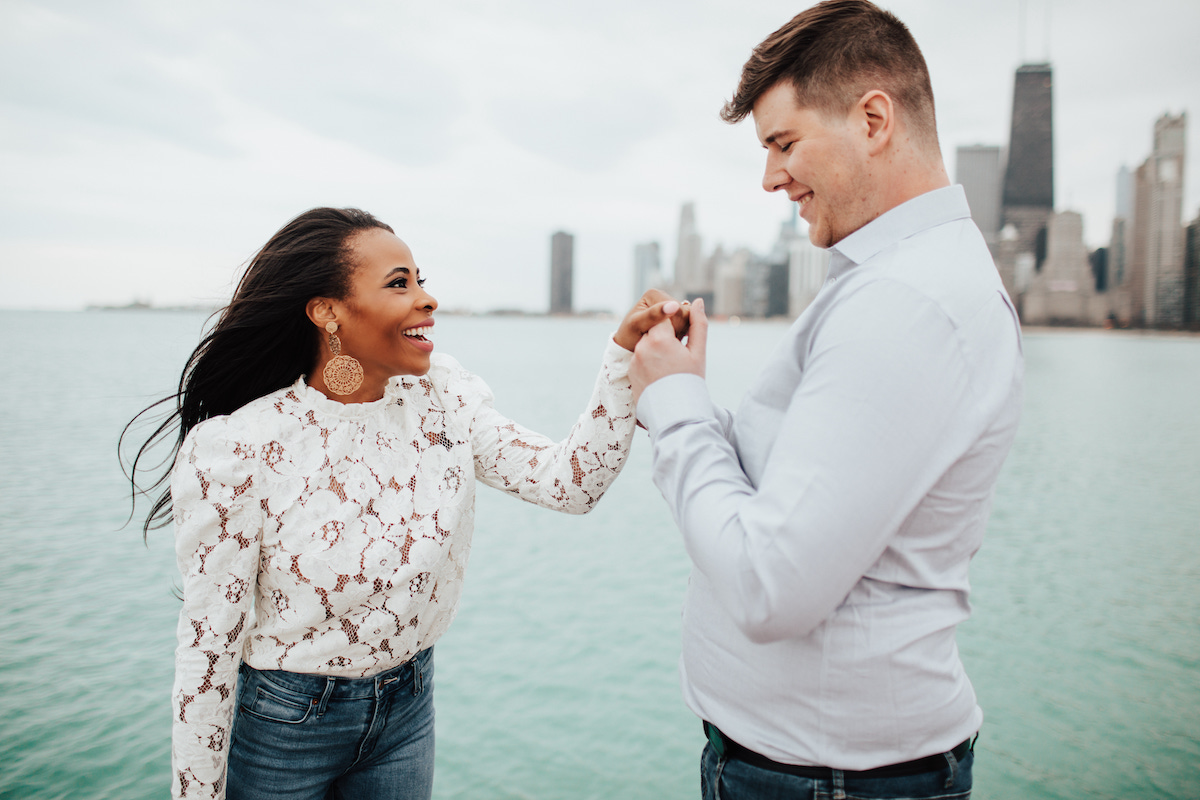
[[1028, 196], [562, 265], [1029, 177]]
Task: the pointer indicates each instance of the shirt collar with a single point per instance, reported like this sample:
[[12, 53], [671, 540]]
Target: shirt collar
[[907, 219]]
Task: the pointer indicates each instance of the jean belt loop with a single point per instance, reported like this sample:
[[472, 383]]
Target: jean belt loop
[[418, 677], [839, 785], [952, 763], [321, 706]]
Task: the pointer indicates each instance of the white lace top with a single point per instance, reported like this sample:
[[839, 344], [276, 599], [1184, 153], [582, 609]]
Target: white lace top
[[320, 537]]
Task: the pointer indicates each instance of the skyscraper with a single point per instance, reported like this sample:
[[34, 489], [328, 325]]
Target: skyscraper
[[1061, 293], [808, 265], [1027, 199], [1029, 176], [1155, 271], [647, 269], [1136, 240], [690, 280], [1164, 241], [1191, 275], [977, 168], [729, 283], [1118, 246], [562, 266], [1124, 192]]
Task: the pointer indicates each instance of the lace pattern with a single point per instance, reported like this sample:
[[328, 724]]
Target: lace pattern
[[325, 538]]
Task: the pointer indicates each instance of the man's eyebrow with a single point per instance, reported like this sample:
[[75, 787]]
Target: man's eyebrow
[[773, 138]]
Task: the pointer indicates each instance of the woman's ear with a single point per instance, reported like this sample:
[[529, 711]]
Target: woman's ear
[[320, 310]]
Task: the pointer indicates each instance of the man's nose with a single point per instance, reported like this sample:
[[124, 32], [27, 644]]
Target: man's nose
[[775, 177]]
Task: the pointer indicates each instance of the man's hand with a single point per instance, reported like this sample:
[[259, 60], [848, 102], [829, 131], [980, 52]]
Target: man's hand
[[660, 354], [654, 307]]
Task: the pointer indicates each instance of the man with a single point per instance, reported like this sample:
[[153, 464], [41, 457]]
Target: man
[[831, 520]]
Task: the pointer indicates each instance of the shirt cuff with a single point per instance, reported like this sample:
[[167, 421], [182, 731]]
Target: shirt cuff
[[674, 400], [617, 357]]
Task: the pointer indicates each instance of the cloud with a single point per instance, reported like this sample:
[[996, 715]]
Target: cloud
[[347, 76], [589, 131], [89, 75]]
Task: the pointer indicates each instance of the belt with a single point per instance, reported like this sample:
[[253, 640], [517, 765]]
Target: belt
[[728, 748]]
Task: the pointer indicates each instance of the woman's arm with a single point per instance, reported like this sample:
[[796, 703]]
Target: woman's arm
[[570, 475], [218, 532]]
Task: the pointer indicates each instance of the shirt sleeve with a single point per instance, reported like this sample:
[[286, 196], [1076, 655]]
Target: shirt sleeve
[[570, 475], [218, 533], [864, 437]]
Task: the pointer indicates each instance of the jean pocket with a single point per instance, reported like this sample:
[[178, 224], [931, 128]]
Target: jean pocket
[[276, 705]]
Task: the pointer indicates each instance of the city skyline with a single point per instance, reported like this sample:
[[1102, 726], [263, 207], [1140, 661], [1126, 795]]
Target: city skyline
[[147, 151]]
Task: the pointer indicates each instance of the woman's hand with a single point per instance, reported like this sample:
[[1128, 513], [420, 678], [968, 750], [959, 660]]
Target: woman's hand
[[653, 308]]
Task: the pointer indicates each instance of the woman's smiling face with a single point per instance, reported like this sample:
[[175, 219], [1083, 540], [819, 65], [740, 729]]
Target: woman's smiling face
[[387, 316]]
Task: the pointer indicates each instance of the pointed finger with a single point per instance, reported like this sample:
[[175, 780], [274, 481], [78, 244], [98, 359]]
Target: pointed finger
[[697, 343]]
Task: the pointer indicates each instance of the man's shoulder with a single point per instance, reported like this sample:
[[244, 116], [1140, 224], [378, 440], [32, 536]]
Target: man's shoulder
[[948, 265]]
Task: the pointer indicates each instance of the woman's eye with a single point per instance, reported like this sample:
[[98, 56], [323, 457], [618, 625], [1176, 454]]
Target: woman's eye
[[420, 281], [399, 283], [786, 147]]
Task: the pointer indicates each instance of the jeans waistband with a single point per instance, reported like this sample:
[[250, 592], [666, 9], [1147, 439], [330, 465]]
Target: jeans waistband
[[728, 748], [331, 687]]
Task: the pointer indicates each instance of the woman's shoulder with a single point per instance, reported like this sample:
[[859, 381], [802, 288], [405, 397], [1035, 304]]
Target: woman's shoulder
[[252, 424]]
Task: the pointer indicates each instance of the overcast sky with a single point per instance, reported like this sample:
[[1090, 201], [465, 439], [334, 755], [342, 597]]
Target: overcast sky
[[147, 149]]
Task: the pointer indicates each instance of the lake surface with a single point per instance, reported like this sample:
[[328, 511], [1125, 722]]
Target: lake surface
[[558, 680]]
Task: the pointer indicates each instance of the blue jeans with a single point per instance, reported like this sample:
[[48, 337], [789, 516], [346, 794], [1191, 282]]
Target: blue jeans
[[310, 737], [727, 779]]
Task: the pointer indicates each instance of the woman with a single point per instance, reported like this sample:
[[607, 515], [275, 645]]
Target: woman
[[323, 504]]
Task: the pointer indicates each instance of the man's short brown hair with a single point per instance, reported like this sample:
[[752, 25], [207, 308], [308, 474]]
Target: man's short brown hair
[[833, 54]]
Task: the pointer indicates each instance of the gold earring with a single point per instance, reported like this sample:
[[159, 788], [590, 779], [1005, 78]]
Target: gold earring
[[343, 374]]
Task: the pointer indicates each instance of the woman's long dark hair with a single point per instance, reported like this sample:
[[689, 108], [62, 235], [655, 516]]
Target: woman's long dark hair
[[263, 340]]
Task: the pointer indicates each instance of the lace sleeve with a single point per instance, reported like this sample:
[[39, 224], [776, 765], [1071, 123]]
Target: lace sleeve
[[570, 475], [218, 530]]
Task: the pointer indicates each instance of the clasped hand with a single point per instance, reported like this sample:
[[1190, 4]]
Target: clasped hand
[[654, 330]]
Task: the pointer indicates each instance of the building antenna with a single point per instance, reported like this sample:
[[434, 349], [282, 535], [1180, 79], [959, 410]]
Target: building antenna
[[1049, 7], [1021, 30]]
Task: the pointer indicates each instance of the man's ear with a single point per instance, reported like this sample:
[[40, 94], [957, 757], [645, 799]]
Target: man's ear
[[321, 311], [878, 112]]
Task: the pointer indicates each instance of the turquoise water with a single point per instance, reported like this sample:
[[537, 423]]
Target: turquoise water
[[558, 678]]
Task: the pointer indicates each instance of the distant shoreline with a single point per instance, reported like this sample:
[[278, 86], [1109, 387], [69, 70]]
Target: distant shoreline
[[1140, 332], [1036, 330]]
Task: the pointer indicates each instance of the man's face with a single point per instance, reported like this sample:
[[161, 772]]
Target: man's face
[[819, 159]]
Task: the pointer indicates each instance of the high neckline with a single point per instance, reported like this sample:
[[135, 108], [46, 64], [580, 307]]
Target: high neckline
[[317, 400]]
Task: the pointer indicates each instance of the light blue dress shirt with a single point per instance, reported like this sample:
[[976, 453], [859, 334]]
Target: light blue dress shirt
[[831, 520]]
